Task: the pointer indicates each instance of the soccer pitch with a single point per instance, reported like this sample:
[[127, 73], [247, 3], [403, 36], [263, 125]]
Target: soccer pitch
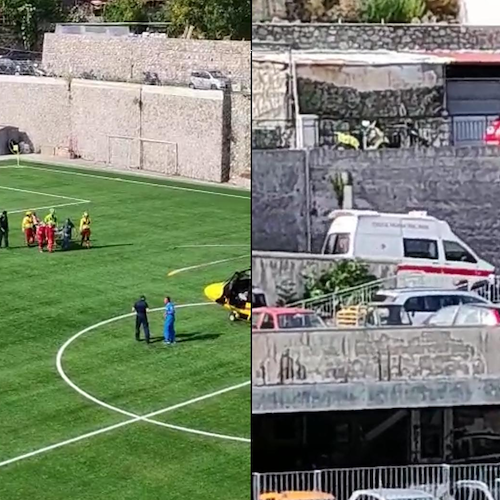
[[75, 389]]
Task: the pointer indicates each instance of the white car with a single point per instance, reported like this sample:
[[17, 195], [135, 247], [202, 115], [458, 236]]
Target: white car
[[421, 303], [391, 494], [208, 80]]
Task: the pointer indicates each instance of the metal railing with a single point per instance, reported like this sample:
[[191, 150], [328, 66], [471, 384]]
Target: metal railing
[[470, 130], [400, 133], [327, 305], [438, 480]]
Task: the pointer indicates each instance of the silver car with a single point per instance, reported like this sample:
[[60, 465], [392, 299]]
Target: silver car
[[421, 303], [208, 80]]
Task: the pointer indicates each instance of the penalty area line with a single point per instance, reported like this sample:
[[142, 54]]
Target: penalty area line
[[22, 210], [39, 193]]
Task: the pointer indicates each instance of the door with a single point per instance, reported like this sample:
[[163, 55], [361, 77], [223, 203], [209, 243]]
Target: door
[[459, 261]]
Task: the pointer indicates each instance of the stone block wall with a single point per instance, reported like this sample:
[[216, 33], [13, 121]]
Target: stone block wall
[[374, 369], [379, 37], [38, 106], [292, 193], [241, 136], [133, 58], [183, 128]]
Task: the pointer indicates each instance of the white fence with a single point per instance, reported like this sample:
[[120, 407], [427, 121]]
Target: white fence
[[437, 480]]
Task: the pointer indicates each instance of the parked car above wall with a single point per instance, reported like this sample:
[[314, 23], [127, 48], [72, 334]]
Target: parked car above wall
[[207, 80], [466, 315], [284, 318], [421, 303]]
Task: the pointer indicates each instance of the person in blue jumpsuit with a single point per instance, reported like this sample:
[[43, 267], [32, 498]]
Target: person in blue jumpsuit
[[169, 326]]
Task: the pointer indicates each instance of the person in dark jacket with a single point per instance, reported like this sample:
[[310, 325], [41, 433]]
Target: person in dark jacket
[[4, 229], [141, 318], [67, 233]]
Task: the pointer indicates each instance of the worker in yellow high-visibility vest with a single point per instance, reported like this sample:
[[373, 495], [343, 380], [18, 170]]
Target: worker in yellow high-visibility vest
[[27, 228], [85, 229]]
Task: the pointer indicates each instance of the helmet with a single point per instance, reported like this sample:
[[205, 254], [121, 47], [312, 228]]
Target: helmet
[[28, 213], [85, 214], [52, 211]]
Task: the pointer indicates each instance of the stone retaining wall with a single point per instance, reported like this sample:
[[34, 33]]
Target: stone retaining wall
[[379, 37], [374, 369], [134, 58], [292, 193], [103, 121]]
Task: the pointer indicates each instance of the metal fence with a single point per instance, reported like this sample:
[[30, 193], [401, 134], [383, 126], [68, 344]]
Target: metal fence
[[438, 480], [400, 133], [470, 130]]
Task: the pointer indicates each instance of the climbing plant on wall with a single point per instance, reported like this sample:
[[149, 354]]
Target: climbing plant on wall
[[31, 17]]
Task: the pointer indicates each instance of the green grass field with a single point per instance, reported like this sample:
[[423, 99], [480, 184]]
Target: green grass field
[[58, 443]]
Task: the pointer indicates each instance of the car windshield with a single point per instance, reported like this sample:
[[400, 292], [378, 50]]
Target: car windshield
[[255, 320], [393, 315], [216, 74], [299, 320]]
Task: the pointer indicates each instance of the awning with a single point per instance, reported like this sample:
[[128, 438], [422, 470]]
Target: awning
[[375, 57]]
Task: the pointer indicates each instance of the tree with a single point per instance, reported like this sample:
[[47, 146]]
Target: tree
[[214, 19], [30, 18], [344, 274], [125, 11]]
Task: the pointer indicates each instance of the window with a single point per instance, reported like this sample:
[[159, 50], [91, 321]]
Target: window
[[454, 252], [465, 299], [255, 320], [420, 249], [338, 244], [428, 304], [301, 320], [267, 323], [450, 300]]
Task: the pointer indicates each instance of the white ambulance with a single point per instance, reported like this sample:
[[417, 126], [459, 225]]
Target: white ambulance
[[415, 242]]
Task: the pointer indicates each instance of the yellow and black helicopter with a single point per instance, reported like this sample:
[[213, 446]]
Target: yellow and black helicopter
[[233, 295]]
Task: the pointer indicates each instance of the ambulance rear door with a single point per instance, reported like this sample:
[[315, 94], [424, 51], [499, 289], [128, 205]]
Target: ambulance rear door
[[378, 237]]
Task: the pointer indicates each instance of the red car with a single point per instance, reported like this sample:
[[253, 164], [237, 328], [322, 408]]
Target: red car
[[284, 318], [492, 135]]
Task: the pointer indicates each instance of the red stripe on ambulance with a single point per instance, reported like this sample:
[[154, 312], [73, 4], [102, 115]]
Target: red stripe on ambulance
[[451, 271]]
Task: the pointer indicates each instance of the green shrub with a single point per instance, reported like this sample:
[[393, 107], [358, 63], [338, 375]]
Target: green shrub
[[125, 11], [392, 11], [342, 275]]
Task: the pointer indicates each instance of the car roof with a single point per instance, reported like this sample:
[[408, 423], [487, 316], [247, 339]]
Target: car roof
[[395, 493], [410, 292], [282, 310]]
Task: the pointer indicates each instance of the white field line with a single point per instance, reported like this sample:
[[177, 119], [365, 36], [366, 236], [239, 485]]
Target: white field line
[[144, 183], [28, 191], [208, 246], [115, 426], [22, 210], [134, 418], [148, 418], [206, 264]]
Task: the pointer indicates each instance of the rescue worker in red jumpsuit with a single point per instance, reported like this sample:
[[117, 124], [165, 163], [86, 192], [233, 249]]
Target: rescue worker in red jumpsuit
[[40, 236], [50, 229]]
